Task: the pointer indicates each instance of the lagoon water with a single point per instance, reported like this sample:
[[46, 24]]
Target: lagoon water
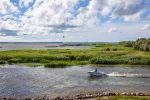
[[24, 81], [37, 46]]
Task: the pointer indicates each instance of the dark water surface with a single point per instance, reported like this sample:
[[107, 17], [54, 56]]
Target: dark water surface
[[22, 81]]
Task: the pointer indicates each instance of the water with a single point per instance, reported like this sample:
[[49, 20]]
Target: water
[[23, 81], [37, 46]]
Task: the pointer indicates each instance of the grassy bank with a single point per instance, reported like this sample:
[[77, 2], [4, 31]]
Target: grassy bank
[[101, 54], [125, 98]]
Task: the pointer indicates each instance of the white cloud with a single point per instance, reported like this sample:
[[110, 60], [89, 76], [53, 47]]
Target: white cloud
[[87, 16], [129, 10], [146, 27], [48, 13], [9, 25], [58, 16], [7, 32], [110, 30], [128, 31], [128, 7], [6, 7], [134, 17]]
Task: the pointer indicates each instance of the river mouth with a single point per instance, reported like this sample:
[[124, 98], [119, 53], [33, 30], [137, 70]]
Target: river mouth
[[23, 81]]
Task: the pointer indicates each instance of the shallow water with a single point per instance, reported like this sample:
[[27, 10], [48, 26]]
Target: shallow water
[[23, 81], [37, 46]]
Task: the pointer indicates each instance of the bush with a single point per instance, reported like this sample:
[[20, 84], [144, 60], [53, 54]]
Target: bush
[[4, 58], [115, 49], [140, 44], [2, 62], [107, 49]]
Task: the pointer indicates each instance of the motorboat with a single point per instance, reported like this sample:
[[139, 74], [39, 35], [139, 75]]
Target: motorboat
[[95, 73]]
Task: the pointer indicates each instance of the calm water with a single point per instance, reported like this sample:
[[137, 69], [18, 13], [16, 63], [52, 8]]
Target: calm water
[[37, 46], [22, 81]]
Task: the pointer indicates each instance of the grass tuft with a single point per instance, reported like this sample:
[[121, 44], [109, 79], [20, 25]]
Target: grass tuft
[[124, 98]]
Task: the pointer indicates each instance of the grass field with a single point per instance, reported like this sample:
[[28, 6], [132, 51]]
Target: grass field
[[100, 54], [125, 98]]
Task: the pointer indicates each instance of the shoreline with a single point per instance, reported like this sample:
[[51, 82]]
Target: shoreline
[[72, 91], [94, 65], [95, 95], [84, 96]]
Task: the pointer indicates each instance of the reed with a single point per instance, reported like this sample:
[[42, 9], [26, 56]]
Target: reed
[[101, 54]]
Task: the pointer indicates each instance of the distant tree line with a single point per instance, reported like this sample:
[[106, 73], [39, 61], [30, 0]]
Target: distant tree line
[[140, 44]]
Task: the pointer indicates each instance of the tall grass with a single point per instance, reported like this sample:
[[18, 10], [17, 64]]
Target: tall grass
[[103, 60], [117, 54], [56, 65], [120, 60], [125, 98]]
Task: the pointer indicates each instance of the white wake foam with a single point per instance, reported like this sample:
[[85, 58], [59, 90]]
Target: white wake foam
[[118, 74]]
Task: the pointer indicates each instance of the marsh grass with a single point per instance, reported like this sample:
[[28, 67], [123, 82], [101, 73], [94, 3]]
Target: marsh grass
[[56, 65], [109, 60], [124, 98], [117, 54]]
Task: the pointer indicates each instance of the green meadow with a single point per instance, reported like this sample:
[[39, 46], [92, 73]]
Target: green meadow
[[125, 98], [99, 54]]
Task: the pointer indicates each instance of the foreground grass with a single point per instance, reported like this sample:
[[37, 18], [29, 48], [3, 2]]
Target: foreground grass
[[125, 98], [102, 54]]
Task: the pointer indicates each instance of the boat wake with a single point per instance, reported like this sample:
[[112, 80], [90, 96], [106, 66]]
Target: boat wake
[[118, 74]]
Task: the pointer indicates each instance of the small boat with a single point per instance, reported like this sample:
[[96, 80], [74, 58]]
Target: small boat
[[95, 73]]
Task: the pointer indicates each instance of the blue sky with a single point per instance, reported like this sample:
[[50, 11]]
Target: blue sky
[[76, 20]]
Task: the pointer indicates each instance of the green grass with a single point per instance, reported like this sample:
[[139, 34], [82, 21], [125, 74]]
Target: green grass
[[56, 64], [101, 54], [125, 98]]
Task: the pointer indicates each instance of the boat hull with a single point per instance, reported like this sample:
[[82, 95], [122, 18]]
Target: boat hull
[[96, 74]]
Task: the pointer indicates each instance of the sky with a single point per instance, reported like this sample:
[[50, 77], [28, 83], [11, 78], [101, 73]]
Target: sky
[[74, 20]]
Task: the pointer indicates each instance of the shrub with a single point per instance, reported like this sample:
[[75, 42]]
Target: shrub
[[2, 62], [115, 49], [4, 58], [107, 49], [140, 44]]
